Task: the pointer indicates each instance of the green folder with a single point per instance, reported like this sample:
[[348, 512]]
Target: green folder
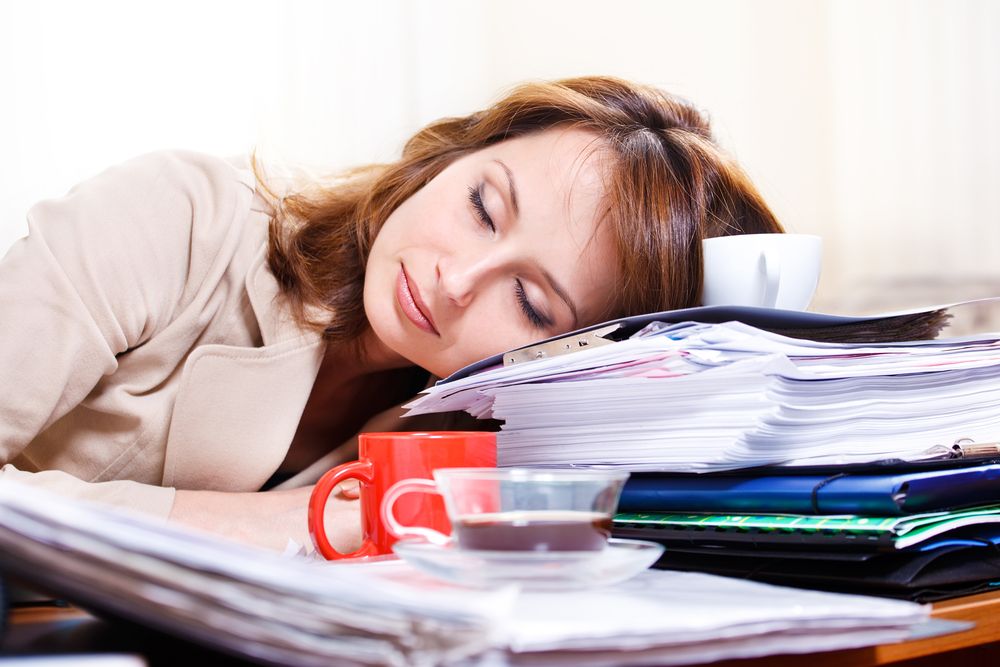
[[896, 532]]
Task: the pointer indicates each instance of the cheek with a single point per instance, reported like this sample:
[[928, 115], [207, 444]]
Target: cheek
[[480, 338], [492, 327], [431, 204]]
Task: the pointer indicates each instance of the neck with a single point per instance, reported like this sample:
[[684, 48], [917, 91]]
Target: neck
[[368, 355]]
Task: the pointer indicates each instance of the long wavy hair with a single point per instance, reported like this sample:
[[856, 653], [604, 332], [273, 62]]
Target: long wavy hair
[[669, 186]]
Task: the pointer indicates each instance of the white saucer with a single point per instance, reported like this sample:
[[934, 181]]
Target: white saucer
[[537, 570]]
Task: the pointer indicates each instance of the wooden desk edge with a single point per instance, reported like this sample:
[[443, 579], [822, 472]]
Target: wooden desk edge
[[982, 609]]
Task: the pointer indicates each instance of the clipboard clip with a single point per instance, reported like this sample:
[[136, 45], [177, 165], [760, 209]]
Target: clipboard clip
[[967, 448], [963, 448], [560, 346]]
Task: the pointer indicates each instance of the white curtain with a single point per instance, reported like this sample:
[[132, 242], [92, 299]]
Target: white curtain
[[871, 122]]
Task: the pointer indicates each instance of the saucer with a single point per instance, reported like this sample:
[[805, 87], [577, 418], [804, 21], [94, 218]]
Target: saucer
[[536, 570]]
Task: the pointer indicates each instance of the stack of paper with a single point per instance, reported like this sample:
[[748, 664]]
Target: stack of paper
[[667, 618], [241, 600], [296, 611], [865, 429], [701, 397]]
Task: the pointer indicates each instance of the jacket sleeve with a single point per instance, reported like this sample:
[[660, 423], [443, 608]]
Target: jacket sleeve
[[101, 270]]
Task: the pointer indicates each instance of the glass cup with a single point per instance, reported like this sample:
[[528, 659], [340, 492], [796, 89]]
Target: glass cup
[[516, 509]]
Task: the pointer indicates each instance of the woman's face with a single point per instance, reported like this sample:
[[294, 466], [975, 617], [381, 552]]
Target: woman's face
[[500, 249]]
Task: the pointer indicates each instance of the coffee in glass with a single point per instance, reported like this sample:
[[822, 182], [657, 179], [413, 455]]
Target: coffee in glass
[[517, 509]]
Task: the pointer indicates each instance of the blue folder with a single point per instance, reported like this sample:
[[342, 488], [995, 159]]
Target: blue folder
[[869, 494]]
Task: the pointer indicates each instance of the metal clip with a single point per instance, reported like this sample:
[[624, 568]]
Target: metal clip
[[967, 448], [560, 346]]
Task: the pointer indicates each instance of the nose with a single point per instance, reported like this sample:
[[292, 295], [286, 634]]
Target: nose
[[460, 279]]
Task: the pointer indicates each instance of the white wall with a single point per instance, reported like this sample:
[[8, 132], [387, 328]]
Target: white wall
[[871, 122], [916, 164]]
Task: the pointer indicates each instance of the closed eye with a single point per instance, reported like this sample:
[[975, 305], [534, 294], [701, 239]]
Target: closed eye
[[537, 319], [534, 317], [476, 199]]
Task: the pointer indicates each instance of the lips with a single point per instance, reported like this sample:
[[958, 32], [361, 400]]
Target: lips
[[412, 305]]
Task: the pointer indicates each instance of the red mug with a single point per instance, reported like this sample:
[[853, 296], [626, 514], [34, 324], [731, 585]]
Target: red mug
[[383, 460]]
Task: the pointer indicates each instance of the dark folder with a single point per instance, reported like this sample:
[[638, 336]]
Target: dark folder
[[868, 494], [923, 576]]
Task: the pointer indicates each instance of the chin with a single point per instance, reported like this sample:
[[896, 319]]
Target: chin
[[435, 367]]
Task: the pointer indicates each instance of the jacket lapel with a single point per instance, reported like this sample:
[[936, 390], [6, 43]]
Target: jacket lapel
[[239, 407]]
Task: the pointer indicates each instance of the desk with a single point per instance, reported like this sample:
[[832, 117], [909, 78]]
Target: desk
[[61, 629], [978, 646]]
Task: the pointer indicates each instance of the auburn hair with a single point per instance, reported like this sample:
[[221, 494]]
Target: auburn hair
[[669, 185]]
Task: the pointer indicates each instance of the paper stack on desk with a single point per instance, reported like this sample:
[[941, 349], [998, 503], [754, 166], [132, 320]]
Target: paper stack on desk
[[296, 611], [748, 447], [693, 397]]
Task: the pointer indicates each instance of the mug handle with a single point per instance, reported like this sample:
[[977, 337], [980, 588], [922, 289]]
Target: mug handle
[[771, 264], [359, 470], [398, 530]]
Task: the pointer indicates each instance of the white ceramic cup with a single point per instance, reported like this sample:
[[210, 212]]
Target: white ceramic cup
[[768, 270]]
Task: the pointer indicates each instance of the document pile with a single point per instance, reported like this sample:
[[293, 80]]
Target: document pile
[[849, 466], [693, 397], [291, 610]]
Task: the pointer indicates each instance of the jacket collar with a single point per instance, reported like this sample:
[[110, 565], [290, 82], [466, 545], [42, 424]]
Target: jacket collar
[[274, 314]]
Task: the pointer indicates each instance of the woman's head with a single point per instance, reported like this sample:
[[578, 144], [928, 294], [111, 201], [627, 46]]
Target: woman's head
[[619, 184], [503, 247]]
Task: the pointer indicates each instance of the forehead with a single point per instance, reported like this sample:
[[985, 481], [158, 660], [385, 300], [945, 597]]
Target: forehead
[[560, 178], [558, 168]]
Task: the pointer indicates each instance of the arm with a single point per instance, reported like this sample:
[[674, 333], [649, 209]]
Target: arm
[[104, 269], [269, 519], [95, 277]]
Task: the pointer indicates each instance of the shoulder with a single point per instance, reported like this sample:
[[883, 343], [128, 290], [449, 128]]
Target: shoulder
[[144, 237], [180, 181], [175, 194], [198, 175]]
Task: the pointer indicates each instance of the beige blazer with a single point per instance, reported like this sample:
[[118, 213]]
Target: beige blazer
[[144, 344]]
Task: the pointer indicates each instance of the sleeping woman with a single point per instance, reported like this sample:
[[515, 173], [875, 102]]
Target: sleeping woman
[[178, 330]]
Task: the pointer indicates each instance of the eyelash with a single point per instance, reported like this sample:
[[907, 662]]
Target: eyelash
[[529, 310], [476, 199]]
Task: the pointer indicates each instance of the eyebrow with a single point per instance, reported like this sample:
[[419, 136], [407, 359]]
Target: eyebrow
[[553, 283], [511, 189], [564, 295]]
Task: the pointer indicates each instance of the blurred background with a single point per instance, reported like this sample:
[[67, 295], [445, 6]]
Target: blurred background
[[873, 123]]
